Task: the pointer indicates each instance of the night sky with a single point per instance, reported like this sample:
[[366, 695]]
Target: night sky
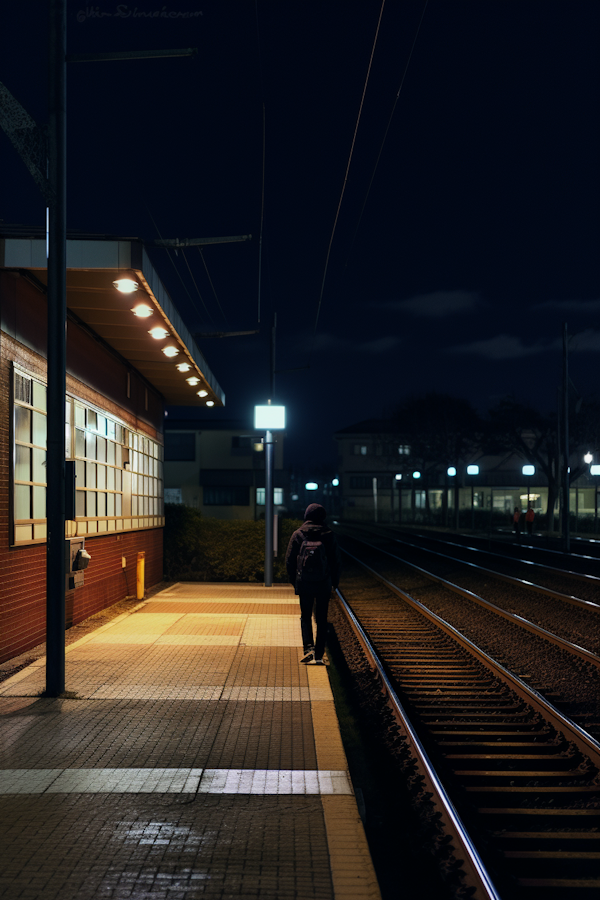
[[453, 271]]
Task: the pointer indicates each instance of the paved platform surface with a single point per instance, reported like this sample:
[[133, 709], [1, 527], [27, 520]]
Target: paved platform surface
[[197, 758]]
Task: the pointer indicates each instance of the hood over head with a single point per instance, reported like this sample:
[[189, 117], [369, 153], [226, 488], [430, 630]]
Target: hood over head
[[315, 513]]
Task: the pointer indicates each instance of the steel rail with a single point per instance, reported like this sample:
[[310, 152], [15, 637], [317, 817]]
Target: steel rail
[[584, 741], [475, 874], [515, 619], [582, 576]]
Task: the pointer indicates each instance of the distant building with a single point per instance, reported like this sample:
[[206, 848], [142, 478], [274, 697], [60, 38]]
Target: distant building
[[381, 481], [118, 381], [218, 467]]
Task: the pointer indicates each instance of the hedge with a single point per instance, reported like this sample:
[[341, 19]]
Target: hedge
[[199, 549]]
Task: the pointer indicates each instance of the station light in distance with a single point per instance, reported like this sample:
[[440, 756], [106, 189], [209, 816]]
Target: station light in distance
[[269, 418], [451, 471], [595, 470], [126, 285], [472, 470], [528, 470], [335, 482], [311, 486], [398, 477], [588, 458], [416, 474]]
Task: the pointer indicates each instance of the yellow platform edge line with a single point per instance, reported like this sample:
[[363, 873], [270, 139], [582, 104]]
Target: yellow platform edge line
[[352, 871]]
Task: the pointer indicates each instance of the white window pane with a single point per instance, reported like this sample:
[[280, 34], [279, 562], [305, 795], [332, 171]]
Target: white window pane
[[22, 464], [110, 504], [101, 477], [79, 415], [101, 499], [79, 442], [110, 453], [39, 469], [91, 419], [110, 428], [101, 449], [39, 396], [39, 502], [90, 475], [38, 422], [80, 504], [101, 427], [90, 504], [134, 481], [80, 473], [118, 480], [22, 501], [90, 445], [118, 455], [134, 505], [110, 479], [117, 504], [22, 424]]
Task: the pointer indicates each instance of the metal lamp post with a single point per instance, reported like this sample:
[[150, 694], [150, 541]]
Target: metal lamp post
[[472, 470], [269, 418]]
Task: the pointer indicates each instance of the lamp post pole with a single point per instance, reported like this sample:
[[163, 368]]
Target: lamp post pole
[[268, 509], [566, 473]]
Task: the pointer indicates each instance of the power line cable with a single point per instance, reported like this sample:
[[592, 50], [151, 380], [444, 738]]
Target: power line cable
[[196, 286], [192, 301], [387, 129], [345, 180], [212, 286], [262, 197]]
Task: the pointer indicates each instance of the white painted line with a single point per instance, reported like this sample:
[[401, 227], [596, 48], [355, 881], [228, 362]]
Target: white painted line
[[174, 781]]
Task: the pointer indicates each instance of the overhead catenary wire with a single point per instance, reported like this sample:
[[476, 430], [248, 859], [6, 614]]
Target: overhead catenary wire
[[262, 192], [192, 301], [387, 129], [213, 287], [362, 100]]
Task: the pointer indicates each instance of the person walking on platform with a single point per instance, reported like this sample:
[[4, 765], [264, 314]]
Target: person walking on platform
[[313, 566], [529, 517], [517, 523]]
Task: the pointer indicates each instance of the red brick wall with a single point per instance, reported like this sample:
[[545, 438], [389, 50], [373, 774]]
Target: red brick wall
[[23, 586], [23, 569]]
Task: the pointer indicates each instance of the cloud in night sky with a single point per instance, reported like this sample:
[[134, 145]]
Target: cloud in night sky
[[502, 346], [574, 306], [438, 304]]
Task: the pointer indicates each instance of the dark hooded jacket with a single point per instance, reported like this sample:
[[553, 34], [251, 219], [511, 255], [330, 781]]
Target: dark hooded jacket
[[314, 529]]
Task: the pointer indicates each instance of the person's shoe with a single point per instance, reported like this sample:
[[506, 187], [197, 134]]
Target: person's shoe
[[321, 662], [309, 655]]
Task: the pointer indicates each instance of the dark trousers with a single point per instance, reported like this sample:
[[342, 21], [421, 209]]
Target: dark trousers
[[319, 598]]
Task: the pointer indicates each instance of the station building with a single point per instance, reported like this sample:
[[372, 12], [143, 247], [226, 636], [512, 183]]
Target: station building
[[218, 467], [128, 354], [381, 481]]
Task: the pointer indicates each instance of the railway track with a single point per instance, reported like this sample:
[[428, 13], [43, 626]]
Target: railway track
[[514, 781]]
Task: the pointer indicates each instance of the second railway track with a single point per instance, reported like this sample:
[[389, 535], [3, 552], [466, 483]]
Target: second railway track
[[523, 776]]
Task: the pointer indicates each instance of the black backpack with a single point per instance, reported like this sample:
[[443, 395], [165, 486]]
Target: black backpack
[[312, 564]]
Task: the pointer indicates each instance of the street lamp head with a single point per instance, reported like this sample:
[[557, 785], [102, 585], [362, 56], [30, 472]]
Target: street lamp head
[[588, 458], [472, 470], [451, 471], [528, 470], [269, 418], [416, 474]]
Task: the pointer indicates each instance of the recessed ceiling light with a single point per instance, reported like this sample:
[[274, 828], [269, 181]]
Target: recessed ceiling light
[[158, 333], [142, 311], [210, 402], [170, 351], [126, 285], [193, 380], [202, 393], [183, 367]]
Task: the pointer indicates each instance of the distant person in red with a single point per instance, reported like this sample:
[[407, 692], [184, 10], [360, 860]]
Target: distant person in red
[[529, 517], [517, 523]]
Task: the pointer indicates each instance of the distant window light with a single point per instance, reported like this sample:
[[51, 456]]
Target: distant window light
[[173, 495], [404, 449], [398, 477], [451, 471], [472, 470], [277, 496], [416, 474], [594, 470], [311, 486], [360, 450]]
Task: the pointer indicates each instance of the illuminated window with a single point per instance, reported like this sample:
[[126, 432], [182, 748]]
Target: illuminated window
[[277, 496], [359, 450], [404, 449], [111, 493]]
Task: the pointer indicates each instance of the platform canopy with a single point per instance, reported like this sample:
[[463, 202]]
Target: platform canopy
[[93, 265]]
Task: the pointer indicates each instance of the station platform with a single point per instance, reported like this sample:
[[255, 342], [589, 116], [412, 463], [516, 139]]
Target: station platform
[[194, 756]]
